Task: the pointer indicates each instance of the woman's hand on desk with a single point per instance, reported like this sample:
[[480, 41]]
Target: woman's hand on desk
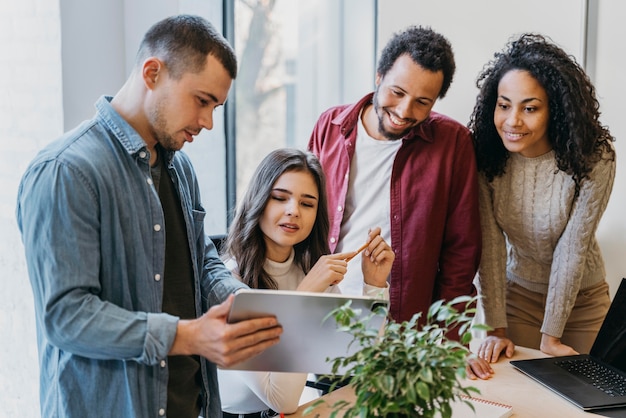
[[478, 368], [495, 344], [553, 346]]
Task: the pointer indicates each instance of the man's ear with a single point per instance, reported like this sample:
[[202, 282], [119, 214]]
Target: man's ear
[[378, 79], [151, 70]]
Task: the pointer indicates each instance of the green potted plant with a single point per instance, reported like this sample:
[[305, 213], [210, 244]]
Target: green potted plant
[[406, 370]]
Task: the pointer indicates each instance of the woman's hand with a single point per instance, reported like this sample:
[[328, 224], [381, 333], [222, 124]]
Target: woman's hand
[[495, 344], [328, 270], [478, 368], [554, 347], [377, 259]]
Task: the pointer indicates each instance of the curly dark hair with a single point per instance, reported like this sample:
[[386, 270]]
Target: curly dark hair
[[245, 242], [575, 133], [426, 48]]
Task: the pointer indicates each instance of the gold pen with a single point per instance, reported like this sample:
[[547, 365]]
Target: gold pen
[[361, 248]]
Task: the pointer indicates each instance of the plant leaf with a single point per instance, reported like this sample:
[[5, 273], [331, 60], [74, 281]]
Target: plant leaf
[[409, 367], [427, 375], [422, 391]]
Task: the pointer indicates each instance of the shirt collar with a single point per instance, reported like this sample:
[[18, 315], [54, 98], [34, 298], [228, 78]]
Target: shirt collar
[[349, 117], [127, 136]]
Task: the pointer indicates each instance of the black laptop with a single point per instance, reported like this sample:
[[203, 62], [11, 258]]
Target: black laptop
[[595, 381]]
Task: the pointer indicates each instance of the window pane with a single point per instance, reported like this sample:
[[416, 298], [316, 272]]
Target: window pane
[[296, 59]]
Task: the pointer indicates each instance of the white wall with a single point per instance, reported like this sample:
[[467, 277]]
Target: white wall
[[611, 89], [31, 114], [93, 68], [478, 28]]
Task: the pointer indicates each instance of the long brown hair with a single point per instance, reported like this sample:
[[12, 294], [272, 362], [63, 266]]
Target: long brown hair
[[245, 242]]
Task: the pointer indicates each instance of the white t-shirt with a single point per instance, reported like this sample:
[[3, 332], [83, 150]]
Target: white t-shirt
[[367, 201]]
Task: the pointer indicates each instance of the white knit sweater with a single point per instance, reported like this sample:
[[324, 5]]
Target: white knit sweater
[[536, 235]]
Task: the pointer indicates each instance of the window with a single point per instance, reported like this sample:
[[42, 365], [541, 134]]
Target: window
[[296, 59]]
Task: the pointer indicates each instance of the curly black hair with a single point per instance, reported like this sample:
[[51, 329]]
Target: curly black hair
[[426, 48], [575, 133]]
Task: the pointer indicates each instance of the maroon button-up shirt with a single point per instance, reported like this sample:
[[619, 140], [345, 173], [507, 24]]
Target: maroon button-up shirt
[[435, 225]]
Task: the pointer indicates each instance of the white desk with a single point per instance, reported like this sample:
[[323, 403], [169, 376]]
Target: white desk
[[509, 386]]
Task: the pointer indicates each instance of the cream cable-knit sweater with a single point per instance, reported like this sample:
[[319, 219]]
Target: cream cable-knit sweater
[[529, 214]]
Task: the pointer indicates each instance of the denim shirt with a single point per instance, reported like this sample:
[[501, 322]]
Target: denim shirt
[[94, 237]]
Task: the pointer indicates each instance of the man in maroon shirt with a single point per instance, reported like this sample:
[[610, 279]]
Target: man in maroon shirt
[[392, 162]]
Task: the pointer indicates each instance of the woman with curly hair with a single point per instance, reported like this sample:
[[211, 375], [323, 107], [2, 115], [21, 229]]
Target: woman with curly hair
[[546, 167], [279, 240]]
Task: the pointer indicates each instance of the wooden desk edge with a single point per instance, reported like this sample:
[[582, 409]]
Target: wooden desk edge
[[521, 353]]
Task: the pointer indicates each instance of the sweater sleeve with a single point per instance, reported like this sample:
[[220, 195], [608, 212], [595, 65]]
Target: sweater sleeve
[[576, 245], [492, 271]]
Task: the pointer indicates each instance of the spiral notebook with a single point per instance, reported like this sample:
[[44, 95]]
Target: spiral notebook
[[482, 408]]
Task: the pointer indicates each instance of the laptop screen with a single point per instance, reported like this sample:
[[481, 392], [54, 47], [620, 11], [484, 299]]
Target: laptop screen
[[610, 344]]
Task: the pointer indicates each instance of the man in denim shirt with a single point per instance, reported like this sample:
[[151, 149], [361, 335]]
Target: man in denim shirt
[[131, 298]]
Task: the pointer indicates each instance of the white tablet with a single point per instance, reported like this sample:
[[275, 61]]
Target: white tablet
[[308, 343]]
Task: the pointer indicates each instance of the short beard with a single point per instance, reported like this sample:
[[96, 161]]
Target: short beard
[[381, 127], [159, 129]]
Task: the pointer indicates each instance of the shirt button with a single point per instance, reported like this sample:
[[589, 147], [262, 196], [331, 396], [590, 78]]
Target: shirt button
[[157, 227], [142, 154], [339, 208], [346, 176], [163, 363], [149, 180], [332, 239], [157, 277], [161, 412]]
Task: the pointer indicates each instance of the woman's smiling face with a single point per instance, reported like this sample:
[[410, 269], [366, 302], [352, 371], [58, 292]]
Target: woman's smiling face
[[522, 113]]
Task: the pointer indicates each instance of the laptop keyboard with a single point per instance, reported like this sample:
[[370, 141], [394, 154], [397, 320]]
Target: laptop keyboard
[[601, 377]]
